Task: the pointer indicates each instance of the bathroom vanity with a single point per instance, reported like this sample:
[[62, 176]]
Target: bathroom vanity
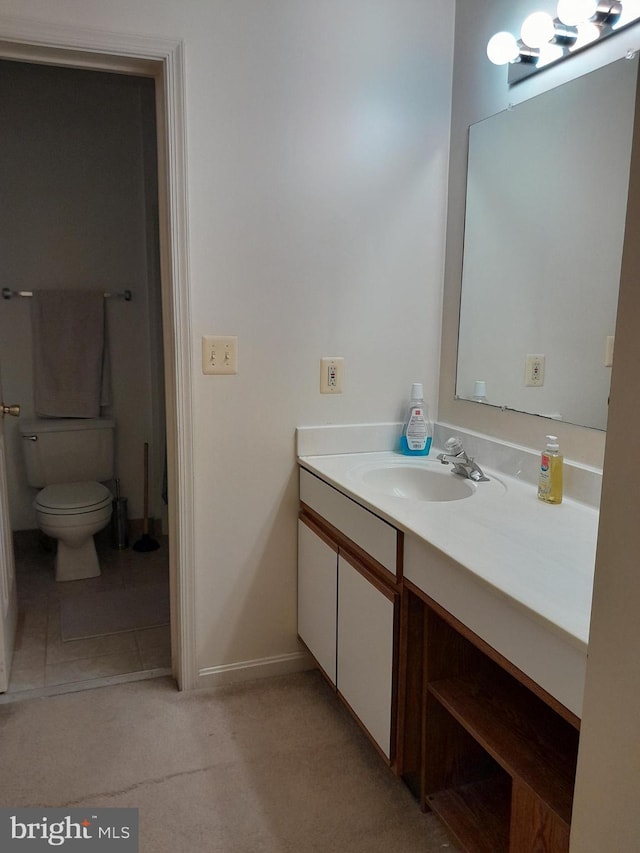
[[452, 619], [348, 602]]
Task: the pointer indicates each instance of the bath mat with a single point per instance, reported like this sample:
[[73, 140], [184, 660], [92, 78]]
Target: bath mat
[[113, 611]]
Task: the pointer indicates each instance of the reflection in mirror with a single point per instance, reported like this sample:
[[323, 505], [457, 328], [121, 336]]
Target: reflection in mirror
[[546, 204]]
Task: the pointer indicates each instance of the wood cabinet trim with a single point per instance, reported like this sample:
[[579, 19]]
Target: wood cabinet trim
[[337, 539], [366, 571], [319, 531], [399, 556]]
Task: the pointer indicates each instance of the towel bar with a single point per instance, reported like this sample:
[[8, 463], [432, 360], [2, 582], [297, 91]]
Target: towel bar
[[7, 293]]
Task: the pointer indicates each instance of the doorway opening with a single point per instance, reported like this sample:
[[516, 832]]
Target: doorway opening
[[166, 311]]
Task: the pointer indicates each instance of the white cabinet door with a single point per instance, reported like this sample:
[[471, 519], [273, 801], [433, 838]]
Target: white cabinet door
[[365, 652], [317, 597]]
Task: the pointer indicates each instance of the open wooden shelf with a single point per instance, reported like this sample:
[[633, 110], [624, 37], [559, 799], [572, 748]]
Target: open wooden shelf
[[519, 731], [496, 760], [477, 814]]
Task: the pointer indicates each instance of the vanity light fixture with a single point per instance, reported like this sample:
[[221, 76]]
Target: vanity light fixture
[[545, 39]]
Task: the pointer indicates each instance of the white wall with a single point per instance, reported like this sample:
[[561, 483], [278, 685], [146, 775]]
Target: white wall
[[75, 214], [318, 152]]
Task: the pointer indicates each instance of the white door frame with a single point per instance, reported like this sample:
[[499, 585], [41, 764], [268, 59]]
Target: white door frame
[[8, 592], [162, 59]]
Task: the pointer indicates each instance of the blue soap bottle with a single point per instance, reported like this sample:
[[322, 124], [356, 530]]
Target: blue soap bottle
[[417, 433]]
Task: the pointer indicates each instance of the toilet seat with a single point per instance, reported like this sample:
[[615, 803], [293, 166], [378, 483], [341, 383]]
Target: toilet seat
[[73, 498]]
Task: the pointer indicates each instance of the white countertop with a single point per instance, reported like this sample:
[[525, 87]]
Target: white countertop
[[538, 555]]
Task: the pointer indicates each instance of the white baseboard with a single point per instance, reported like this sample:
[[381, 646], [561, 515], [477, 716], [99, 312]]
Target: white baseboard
[[213, 676]]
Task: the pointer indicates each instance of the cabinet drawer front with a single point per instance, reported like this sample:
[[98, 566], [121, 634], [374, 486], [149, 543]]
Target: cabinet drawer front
[[365, 652], [317, 598], [371, 533]]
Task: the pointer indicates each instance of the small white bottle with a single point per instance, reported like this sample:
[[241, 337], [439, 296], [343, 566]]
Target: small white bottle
[[480, 391], [417, 433]]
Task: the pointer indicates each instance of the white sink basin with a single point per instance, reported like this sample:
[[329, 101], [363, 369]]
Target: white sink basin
[[426, 481]]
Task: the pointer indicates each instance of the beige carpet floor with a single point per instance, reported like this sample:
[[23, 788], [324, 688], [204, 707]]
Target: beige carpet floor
[[270, 765]]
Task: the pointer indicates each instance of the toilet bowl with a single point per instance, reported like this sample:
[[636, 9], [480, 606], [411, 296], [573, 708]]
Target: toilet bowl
[[72, 513], [68, 460]]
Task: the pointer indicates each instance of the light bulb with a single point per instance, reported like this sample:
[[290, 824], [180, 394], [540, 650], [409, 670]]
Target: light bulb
[[573, 12], [502, 48], [630, 11], [537, 29], [587, 32]]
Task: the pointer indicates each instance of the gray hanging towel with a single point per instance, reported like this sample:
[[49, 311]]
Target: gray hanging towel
[[70, 363]]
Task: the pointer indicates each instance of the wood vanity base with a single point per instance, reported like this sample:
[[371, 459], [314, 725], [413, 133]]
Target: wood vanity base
[[476, 745]]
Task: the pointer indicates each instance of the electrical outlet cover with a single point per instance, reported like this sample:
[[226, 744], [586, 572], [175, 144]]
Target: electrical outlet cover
[[331, 375], [534, 371]]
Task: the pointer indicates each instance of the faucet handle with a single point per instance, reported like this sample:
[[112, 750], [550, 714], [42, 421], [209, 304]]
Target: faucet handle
[[453, 446]]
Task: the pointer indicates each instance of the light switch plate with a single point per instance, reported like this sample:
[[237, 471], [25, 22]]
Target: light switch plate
[[219, 354]]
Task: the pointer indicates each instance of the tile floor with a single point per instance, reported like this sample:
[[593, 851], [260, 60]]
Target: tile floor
[[41, 658]]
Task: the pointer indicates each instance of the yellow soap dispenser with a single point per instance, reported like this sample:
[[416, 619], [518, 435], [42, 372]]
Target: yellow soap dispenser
[[550, 478]]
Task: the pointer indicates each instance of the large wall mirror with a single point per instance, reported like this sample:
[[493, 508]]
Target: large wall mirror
[[546, 204]]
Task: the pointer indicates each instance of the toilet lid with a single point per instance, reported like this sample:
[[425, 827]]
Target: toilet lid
[[70, 498]]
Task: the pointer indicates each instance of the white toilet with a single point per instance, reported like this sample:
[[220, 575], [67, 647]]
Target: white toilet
[[69, 459]]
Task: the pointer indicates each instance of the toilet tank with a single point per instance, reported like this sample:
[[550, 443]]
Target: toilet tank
[[67, 450]]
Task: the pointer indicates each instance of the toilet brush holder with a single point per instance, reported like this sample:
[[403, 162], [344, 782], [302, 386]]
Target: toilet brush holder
[[119, 521], [120, 524]]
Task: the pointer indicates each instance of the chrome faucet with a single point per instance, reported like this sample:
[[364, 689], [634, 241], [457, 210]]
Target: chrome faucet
[[463, 465]]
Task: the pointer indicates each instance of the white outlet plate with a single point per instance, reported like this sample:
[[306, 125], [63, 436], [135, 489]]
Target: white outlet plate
[[219, 354], [534, 371], [331, 375]]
